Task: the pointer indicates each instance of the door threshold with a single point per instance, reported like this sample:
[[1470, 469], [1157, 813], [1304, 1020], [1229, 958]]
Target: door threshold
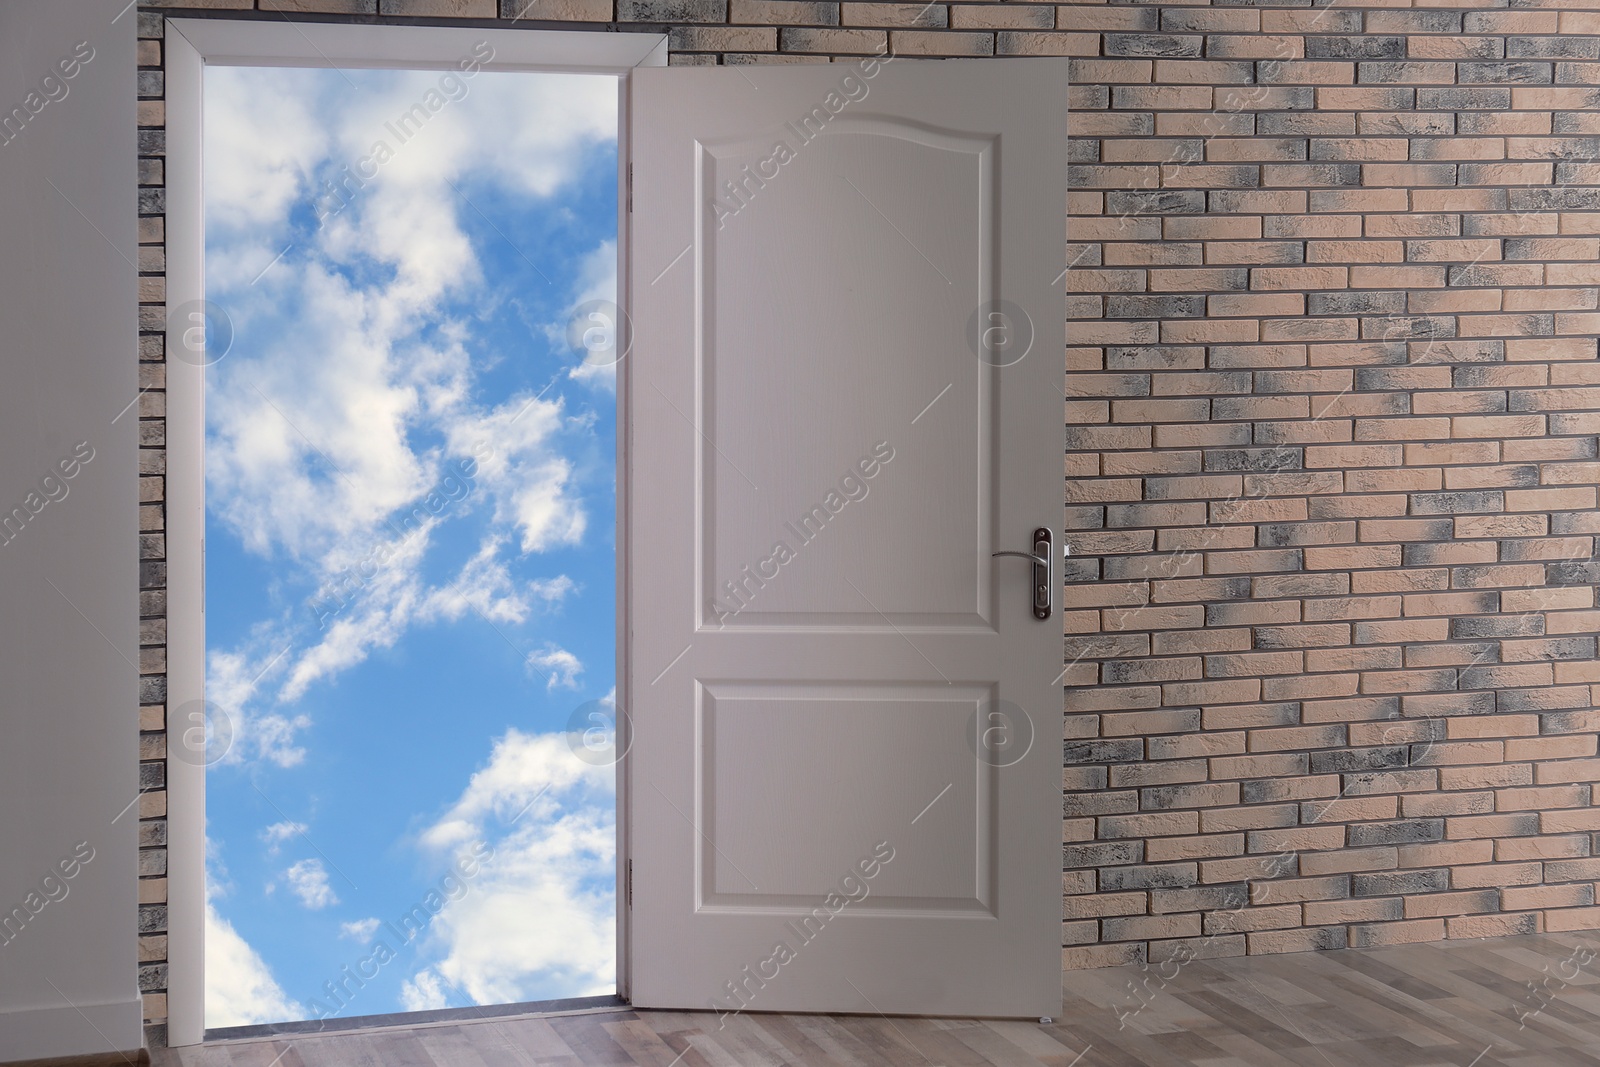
[[416, 1020]]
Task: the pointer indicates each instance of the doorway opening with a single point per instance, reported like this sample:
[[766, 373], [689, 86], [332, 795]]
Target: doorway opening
[[409, 344]]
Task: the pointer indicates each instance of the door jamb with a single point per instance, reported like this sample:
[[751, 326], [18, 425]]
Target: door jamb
[[191, 45]]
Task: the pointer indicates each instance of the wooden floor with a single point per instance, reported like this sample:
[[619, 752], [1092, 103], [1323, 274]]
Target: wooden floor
[[1452, 1004]]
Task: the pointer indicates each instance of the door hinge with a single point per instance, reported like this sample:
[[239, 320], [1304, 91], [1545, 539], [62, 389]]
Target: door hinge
[[630, 884], [630, 188]]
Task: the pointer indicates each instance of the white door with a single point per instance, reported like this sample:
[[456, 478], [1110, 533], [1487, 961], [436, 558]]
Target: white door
[[844, 782]]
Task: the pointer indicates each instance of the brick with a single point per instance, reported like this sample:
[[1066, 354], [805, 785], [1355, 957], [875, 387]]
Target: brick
[[1495, 875], [671, 11], [1566, 771], [855, 42], [1387, 833], [1151, 824], [1466, 902], [1396, 883], [1145, 927], [1292, 890], [1202, 948], [1563, 919], [1203, 846], [776, 12], [1020, 16], [1349, 860], [1313, 939], [1376, 935], [940, 43], [1426, 805], [1088, 956], [1164, 876], [1096, 905], [1275, 917], [1572, 870], [1520, 898], [1494, 925], [1302, 838]]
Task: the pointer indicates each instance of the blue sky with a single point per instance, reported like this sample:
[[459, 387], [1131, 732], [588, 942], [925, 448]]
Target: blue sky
[[410, 539]]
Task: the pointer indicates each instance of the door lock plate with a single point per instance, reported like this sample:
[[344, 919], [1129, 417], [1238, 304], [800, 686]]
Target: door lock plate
[[1041, 574]]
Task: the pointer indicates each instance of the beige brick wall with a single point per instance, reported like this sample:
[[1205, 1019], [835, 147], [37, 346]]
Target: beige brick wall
[[1333, 297]]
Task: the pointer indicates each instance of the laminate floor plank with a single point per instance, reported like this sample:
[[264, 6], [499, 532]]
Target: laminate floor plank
[[588, 1038], [1028, 1037], [746, 1039], [646, 1047], [1449, 1004], [1103, 1045], [265, 1054], [454, 1046], [1471, 1016], [535, 1040], [885, 1036], [1179, 1048], [686, 1032], [839, 1042], [805, 1051], [942, 1045], [203, 1056], [1353, 1007], [402, 1049], [346, 1050]]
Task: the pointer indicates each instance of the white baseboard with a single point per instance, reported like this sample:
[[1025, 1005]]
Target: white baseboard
[[41, 1033]]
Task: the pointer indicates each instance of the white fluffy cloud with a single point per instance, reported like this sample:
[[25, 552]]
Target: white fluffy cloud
[[423, 992], [253, 181], [279, 832], [597, 280], [539, 920], [558, 666], [360, 930], [311, 444], [485, 587], [240, 989], [317, 448], [308, 880]]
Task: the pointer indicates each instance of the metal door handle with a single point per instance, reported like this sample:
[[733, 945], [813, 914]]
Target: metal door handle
[[1040, 560], [1042, 592]]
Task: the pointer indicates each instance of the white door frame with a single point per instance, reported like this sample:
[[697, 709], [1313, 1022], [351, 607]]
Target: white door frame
[[192, 44]]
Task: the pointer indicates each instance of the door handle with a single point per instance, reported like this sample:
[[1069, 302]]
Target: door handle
[[1041, 593], [1040, 560]]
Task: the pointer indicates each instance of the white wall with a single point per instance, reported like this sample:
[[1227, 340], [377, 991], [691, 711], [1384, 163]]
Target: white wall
[[69, 575]]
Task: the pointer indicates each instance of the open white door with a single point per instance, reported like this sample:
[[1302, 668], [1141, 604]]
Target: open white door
[[844, 390]]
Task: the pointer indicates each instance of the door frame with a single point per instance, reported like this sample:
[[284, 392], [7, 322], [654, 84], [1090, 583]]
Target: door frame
[[191, 45]]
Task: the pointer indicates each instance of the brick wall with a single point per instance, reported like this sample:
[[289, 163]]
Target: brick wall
[[1331, 480], [1334, 291]]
